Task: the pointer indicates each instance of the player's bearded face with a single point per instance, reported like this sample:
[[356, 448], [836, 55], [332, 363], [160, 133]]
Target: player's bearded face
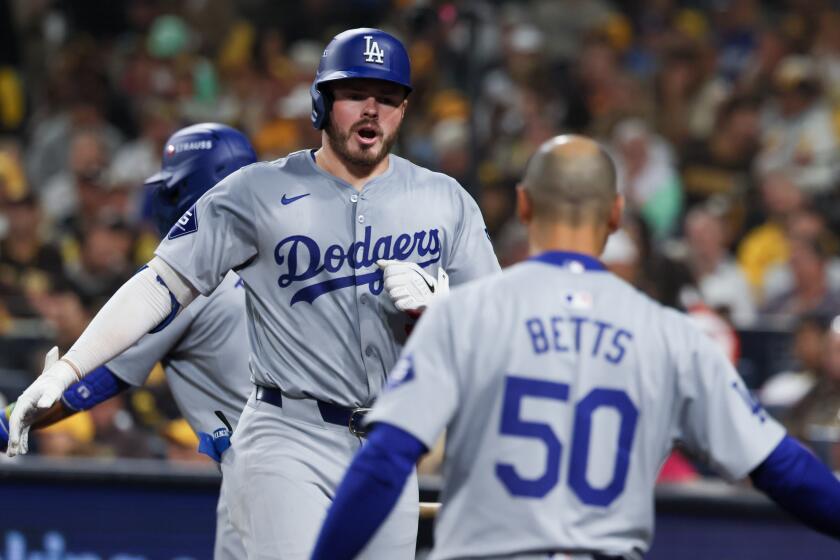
[[364, 121]]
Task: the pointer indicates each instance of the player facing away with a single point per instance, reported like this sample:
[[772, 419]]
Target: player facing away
[[562, 390], [334, 247], [204, 350]]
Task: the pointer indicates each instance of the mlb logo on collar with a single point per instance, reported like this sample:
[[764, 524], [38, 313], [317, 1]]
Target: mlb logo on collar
[[373, 52]]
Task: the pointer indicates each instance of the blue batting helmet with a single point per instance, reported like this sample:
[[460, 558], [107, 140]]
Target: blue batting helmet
[[358, 53], [195, 158]]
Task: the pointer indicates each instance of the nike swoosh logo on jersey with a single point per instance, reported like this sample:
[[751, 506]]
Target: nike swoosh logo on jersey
[[286, 201]]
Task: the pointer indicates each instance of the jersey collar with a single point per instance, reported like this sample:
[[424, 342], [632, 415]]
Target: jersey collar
[[373, 182], [576, 262]]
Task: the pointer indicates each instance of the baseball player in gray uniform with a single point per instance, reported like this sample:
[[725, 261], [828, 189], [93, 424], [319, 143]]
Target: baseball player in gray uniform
[[339, 248], [204, 349], [562, 389]]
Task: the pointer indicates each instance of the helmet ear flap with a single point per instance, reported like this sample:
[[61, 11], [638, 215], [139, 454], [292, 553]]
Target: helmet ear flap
[[321, 105], [167, 205]]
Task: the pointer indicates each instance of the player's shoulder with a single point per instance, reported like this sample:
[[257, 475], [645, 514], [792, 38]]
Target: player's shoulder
[[294, 163], [671, 323], [244, 179], [418, 176], [263, 176], [674, 329]]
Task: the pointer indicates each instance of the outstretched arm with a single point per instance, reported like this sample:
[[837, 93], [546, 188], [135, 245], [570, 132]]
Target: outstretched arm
[[98, 386], [368, 493], [146, 301], [796, 480]]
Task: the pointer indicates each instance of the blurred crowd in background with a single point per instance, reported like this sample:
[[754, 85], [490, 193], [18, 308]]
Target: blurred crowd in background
[[723, 117]]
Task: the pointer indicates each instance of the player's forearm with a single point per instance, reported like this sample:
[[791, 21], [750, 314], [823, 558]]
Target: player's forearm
[[98, 386], [143, 303], [53, 415], [368, 493], [802, 485], [43, 418]]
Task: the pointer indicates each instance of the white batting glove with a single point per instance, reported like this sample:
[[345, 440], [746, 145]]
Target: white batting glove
[[57, 376], [410, 287]]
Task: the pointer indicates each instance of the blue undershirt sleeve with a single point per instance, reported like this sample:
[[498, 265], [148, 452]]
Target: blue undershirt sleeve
[[368, 493], [796, 480]]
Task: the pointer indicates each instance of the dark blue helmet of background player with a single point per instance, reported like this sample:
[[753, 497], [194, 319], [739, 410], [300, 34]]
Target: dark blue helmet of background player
[[358, 53], [194, 159]]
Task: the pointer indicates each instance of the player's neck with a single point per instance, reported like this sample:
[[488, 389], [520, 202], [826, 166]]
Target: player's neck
[[356, 175], [587, 240]]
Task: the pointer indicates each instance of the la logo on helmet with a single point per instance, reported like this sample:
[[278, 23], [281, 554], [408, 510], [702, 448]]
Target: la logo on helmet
[[373, 53]]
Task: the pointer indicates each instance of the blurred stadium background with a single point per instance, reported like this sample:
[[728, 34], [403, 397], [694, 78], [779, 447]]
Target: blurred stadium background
[[723, 116]]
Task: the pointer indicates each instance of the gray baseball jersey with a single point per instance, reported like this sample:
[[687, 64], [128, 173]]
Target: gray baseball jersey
[[563, 390], [305, 244], [205, 355]]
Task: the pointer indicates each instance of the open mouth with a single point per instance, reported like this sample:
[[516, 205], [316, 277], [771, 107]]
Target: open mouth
[[367, 135]]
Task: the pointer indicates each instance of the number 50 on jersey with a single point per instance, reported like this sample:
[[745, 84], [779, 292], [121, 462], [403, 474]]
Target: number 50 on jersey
[[512, 424]]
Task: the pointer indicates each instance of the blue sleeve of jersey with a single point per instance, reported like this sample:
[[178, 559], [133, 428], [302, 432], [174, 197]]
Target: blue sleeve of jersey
[[4, 429], [368, 493], [98, 386], [801, 485]]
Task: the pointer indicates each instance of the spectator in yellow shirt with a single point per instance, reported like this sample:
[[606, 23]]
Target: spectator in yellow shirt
[[766, 245]]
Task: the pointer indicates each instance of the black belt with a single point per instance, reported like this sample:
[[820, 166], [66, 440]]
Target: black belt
[[350, 418], [583, 554], [592, 555]]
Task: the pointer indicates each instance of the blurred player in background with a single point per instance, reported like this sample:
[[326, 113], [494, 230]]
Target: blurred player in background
[[339, 249], [562, 390], [204, 349]]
